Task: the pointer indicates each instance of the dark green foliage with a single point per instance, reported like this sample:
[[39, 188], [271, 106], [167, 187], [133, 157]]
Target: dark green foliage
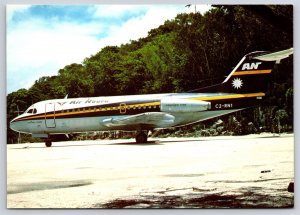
[[188, 52]]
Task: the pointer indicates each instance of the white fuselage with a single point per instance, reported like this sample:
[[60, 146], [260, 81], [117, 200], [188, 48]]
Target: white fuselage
[[90, 114]]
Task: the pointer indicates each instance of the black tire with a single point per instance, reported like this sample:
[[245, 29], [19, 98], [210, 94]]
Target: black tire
[[48, 143], [141, 138]]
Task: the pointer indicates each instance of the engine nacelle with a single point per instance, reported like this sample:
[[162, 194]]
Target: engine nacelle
[[183, 105]]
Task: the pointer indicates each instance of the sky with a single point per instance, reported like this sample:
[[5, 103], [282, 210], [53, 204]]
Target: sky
[[41, 39]]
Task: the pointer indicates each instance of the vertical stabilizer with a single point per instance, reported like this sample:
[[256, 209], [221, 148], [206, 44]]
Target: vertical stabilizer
[[251, 74]]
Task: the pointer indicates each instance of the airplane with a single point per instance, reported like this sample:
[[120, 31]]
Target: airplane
[[244, 87]]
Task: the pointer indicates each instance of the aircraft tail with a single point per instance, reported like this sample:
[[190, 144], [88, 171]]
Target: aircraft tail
[[251, 74]]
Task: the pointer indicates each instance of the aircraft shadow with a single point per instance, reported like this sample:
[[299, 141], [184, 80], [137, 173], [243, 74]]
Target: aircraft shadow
[[149, 143], [217, 139], [57, 146], [93, 144], [277, 136], [177, 141]]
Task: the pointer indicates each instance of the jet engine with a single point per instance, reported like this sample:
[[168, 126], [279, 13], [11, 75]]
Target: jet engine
[[183, 105]]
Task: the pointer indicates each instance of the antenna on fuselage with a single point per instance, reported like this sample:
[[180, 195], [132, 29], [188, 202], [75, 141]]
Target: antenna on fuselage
[[66, 96]]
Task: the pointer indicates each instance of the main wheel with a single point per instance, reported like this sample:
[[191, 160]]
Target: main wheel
[[141, 137], [48, 143]]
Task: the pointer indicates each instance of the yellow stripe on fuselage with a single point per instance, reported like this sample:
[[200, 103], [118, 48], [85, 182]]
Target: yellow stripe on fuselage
[[233, 96], [254, 72]]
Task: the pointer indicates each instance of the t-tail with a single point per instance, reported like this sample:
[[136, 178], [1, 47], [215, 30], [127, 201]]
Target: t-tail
[[251, 75]]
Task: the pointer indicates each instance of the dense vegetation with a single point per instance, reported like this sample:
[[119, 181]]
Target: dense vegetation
[[185, 53]]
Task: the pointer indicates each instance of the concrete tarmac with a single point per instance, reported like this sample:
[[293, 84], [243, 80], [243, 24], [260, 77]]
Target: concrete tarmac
[[251, 171]]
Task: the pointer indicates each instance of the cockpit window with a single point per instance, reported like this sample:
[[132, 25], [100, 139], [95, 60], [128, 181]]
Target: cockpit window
[[31, 111]]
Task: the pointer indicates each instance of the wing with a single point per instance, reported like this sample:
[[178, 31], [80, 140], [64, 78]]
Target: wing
[[148, 120]]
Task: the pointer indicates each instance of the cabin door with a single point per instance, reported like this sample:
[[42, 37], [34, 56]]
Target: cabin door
[[50, 115], [122, 108]]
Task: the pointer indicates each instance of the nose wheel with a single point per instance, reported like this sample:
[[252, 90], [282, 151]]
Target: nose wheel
[[141, 137]]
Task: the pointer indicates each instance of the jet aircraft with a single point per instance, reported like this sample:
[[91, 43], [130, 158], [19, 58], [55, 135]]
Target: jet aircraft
[[244, 87]]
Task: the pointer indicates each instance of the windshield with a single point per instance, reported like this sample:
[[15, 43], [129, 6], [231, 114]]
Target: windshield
[[31, 110]]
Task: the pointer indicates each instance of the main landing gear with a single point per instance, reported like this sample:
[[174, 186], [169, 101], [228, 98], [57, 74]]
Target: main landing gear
[[48, 142], [141, 137]]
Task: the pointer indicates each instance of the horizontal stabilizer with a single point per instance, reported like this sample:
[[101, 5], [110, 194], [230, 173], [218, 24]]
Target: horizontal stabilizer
[[275, 56]]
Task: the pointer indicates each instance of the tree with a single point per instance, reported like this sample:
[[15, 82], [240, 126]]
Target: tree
[[76, 81], [102, 67], [280, 118]]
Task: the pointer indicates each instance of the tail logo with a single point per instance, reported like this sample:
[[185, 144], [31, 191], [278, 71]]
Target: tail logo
[[237, 83], [248, 66]]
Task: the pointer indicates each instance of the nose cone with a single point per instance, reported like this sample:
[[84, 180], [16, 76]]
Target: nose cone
[[17, 125], [13, 125]]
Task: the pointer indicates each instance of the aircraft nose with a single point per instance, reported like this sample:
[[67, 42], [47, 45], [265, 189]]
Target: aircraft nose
[[15, 125], [12, 125]]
